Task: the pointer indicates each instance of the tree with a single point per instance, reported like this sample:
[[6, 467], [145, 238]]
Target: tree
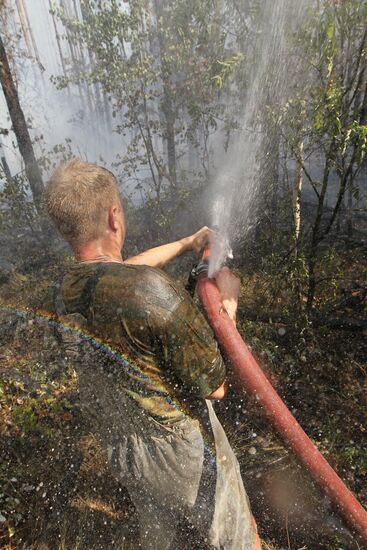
[[20, 129], [156, 61], [332, 49]]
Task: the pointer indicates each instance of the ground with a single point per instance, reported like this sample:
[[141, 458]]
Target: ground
[[56, 491]]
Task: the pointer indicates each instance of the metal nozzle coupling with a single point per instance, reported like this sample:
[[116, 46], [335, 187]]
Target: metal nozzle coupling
[[196, 271], [201, 267]]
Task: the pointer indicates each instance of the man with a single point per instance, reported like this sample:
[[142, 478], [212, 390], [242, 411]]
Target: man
[[152, 407]]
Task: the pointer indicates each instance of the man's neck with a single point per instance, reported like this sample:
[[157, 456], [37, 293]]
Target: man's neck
[[98, 252]]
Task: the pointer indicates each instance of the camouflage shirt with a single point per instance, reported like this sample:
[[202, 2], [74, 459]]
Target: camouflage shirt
[[142, 314]]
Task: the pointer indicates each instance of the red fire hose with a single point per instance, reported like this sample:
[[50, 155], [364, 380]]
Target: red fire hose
[[252, 378]]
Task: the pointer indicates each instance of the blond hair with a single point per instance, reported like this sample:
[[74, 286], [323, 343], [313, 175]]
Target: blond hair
[[77, 199]]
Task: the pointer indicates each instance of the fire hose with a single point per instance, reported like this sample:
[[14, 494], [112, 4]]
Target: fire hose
[[250, 377]]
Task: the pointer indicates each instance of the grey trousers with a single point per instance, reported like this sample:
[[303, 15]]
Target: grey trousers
[[186, 486]]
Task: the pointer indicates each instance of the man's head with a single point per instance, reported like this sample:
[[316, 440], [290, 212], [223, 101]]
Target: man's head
[[84, 202]]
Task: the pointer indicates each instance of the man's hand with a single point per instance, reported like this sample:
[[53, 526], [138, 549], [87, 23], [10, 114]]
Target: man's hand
[[199, 240], [229, 287]]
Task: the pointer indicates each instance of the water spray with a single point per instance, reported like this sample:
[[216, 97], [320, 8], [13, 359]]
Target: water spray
[[251, 378]]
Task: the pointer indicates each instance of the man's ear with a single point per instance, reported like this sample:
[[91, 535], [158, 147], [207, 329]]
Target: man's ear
[[113, 217]]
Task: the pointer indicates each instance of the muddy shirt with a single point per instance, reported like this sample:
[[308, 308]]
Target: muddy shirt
[[143, 315]]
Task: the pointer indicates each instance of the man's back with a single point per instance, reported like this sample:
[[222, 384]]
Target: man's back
[[138, 311]]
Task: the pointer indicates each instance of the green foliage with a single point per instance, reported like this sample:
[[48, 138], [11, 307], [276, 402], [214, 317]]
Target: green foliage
[[358, 133], [17, 206], [165, 70], [331, 101], [325, 114], [226, 68], [155, 63], [35, 414], [330, 272]]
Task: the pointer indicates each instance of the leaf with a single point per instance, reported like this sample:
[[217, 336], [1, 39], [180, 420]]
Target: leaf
[[318, 120], [218, 80], [330, 31]]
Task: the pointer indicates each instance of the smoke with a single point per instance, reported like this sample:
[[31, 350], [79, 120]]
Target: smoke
[[65, 117], [56, 116]]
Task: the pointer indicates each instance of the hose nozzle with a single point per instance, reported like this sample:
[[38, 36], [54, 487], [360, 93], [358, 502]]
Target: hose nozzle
[[213, 257]]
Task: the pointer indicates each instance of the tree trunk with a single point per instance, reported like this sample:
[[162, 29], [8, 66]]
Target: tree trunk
[[57, 36], [20, 129], [169, 114], [4, 163], [23, 24], [315, 241], [349, 212], [76, 63], [364, 107], [167, 103], [274, 178], [86, 13], [297, 190], [29, 30]]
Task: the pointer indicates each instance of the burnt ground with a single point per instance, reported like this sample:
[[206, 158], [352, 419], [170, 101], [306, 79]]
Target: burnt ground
[[56, 491]]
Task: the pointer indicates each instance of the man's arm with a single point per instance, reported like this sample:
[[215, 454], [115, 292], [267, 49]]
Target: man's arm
[[162, 255], [187, 344], [220, 392]]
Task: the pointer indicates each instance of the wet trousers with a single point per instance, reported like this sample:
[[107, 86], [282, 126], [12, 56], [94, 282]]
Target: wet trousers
[[186, 486]]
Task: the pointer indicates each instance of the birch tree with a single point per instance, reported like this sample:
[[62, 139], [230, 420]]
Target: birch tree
[[333, 51]]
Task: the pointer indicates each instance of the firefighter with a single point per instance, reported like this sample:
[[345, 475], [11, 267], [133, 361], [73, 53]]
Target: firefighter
[[154, 415]]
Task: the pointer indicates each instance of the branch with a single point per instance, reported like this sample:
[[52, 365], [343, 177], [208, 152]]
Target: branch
[[342, 188], [307, 174], [358, 62]]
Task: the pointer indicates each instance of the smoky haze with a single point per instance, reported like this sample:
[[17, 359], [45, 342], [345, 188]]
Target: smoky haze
[[54, 115], [226, 151]]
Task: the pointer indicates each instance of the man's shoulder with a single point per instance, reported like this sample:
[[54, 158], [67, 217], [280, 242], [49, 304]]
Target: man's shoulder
[[143, 283], [140, 275]]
